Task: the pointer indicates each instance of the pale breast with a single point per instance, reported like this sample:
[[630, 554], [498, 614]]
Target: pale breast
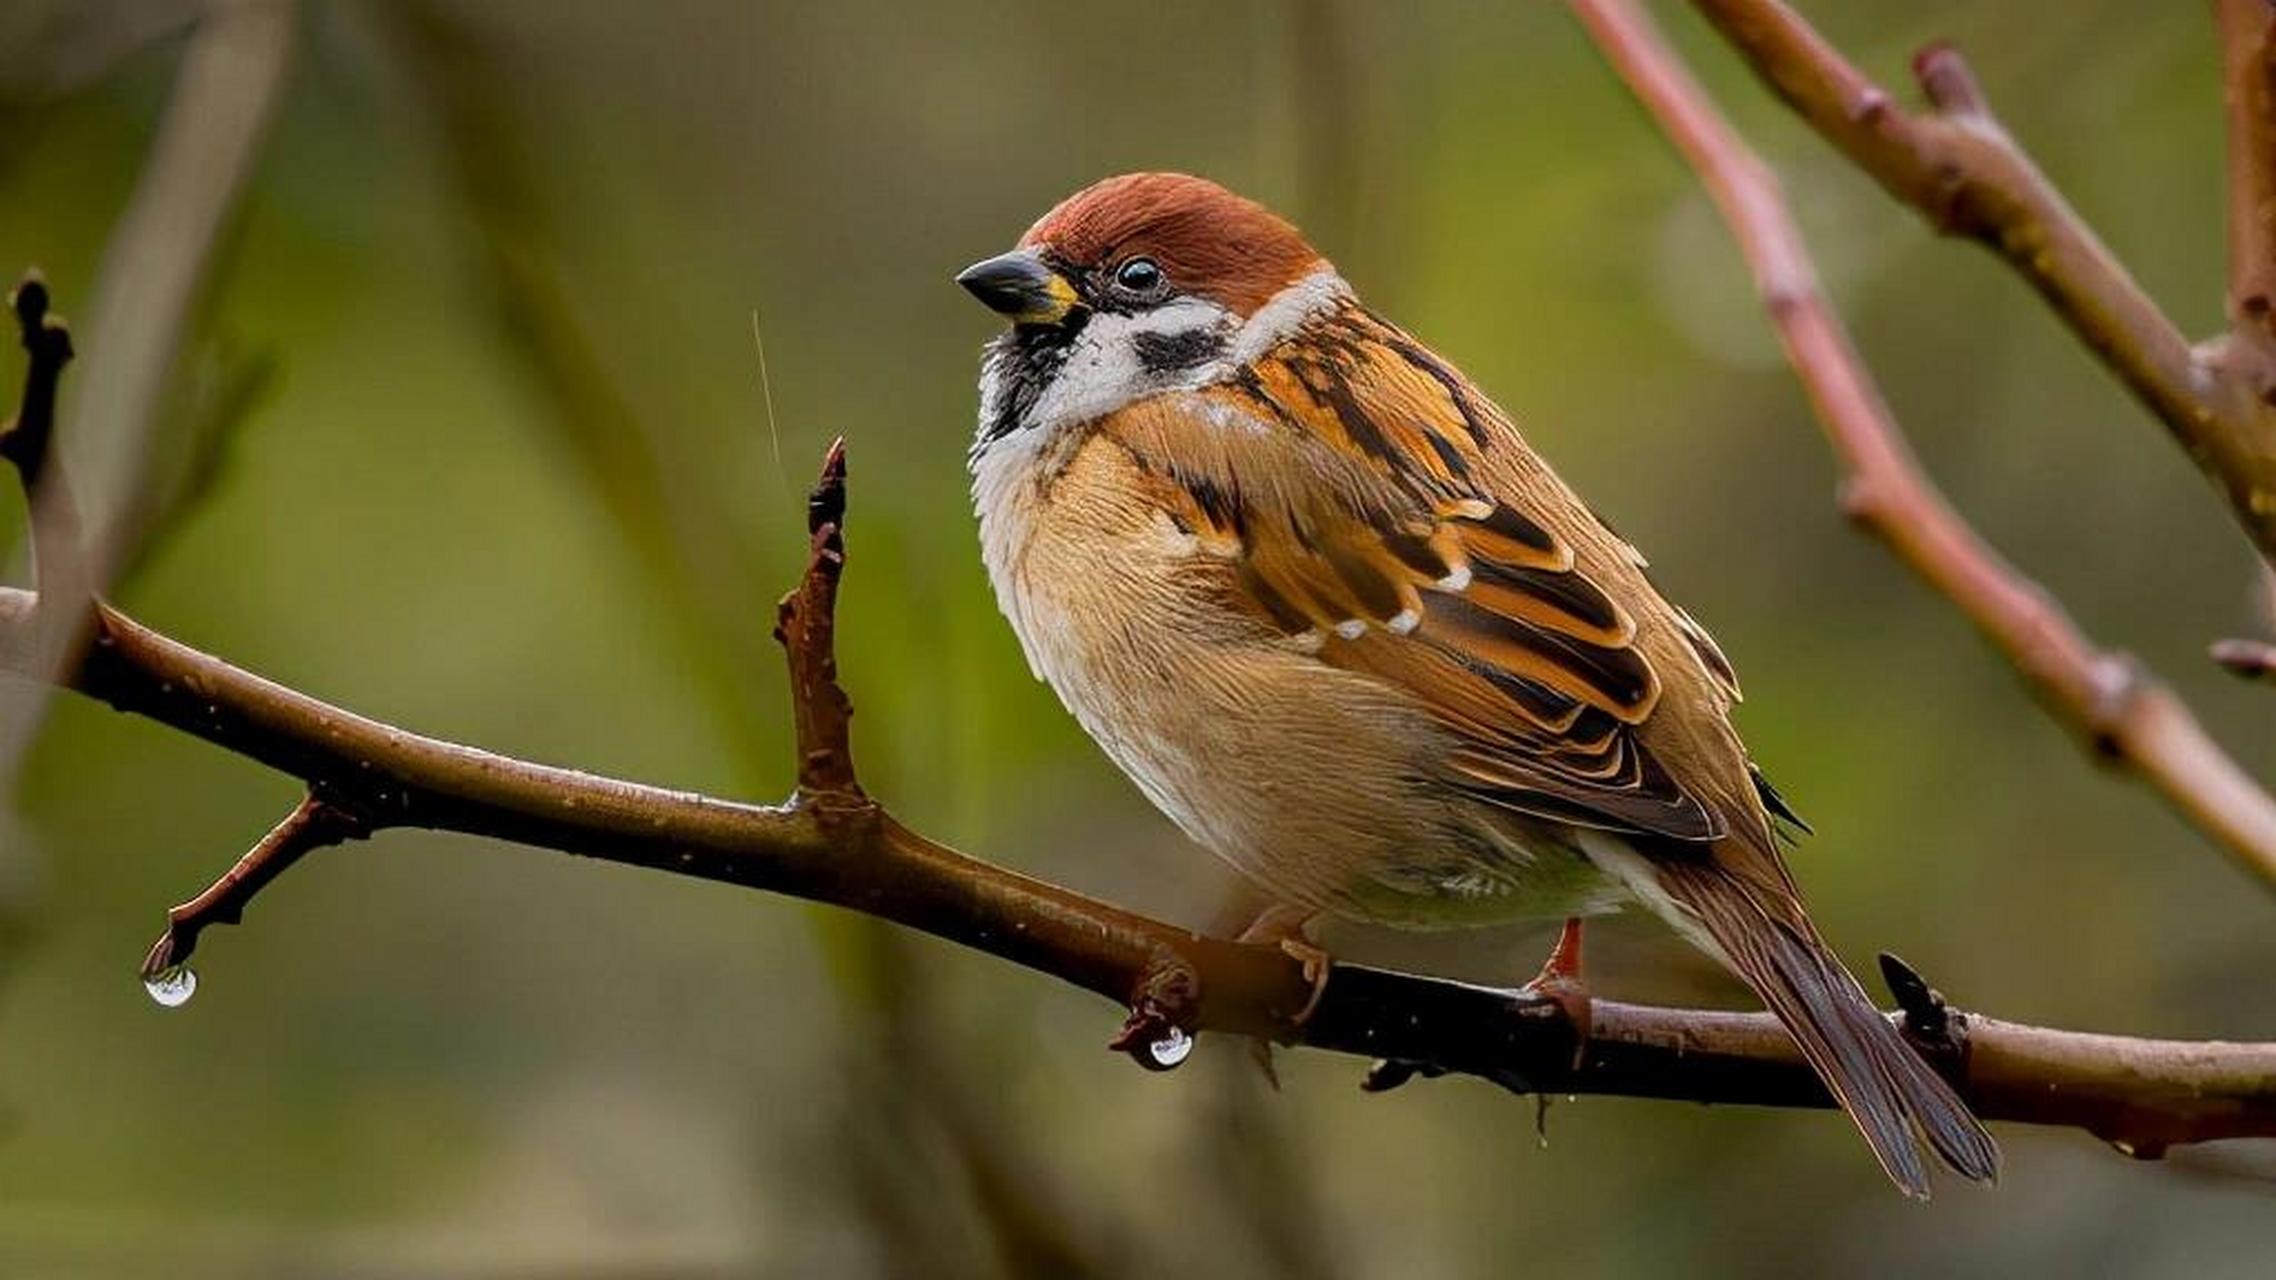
[[1316, 782]]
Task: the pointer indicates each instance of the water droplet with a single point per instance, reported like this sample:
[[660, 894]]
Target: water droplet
[[1171, 1049], [172, 986]]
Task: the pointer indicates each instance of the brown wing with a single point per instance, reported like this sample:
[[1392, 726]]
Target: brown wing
[[1376, 506]]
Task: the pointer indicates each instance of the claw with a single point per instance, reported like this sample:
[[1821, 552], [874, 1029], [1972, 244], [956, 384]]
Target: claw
[[1317, 966], [1284, 925]]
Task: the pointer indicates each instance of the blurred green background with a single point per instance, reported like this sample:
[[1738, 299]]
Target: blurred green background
[[467, 430]]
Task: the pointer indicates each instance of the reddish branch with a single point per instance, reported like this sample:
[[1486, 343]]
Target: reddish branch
[[831, 843], [2248, 64], [2118, 707], [1957, 164]]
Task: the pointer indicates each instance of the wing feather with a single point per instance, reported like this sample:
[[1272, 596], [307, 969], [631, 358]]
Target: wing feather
[[1378, 511]]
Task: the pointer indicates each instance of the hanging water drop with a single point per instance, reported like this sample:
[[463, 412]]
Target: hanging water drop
[[1171, 1049], [172, 986]]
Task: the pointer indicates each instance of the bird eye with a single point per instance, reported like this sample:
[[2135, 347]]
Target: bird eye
[[1138, 275]]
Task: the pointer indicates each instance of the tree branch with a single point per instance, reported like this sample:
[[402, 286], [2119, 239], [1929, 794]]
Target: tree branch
[[2248, 64], [2123, 712], [839, 847], [1958, 166], [831, 843]]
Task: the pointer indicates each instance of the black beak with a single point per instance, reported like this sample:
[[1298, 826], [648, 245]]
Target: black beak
[[1018, 285]]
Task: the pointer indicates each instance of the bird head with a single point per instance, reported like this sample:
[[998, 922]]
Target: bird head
[[1138, 284]]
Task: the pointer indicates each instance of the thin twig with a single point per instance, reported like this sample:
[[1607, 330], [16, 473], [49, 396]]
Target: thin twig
[[1958, 166], [313, 824], [2119, 709]]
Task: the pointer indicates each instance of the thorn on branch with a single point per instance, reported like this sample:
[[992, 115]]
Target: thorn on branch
[[313, 824]]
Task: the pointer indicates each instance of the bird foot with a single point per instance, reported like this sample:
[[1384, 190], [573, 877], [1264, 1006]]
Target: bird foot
[[1562, 984], [1317, 965]]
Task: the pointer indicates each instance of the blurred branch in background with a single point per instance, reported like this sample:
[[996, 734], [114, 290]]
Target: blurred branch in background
[[831, 843], [2248, 80], [159, 255], [1958, 166], [153, 273], [2122, 711], [218, 386]]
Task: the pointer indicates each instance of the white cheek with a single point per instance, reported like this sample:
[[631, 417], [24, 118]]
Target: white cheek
[[1103, 372]]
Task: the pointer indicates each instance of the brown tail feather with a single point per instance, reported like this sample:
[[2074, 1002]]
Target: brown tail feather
[[1885, 1087]]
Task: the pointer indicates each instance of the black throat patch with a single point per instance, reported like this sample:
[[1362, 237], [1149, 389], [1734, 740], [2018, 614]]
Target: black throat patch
[[1021, 363]]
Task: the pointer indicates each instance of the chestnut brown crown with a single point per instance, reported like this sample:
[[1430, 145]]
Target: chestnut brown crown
[[1207, 240]]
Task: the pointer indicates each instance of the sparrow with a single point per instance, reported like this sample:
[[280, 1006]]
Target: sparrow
[[1315, 594]]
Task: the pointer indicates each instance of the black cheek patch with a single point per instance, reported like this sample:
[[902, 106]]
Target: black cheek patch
[[1160, 353]]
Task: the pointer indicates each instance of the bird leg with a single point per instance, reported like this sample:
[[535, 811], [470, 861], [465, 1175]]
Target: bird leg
[[1561, 983], [1284, 925]]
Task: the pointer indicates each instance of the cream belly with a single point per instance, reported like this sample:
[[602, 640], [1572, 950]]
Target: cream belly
[[1319, 784]]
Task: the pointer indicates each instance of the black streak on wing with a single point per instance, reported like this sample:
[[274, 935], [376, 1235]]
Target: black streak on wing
[[1518, 528], [1287, 616], [1415, 551], [1331, 389], [1621, 675], [1377, 593], [1415, 354], [1542, 702], [1223, 509], [1570, 593]]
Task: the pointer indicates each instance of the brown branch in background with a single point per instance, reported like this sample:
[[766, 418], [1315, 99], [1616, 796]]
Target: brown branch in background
[[154, 270], [2120, 709], [1957, 164], [832, 844], [2248, 65], [157, 261]]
